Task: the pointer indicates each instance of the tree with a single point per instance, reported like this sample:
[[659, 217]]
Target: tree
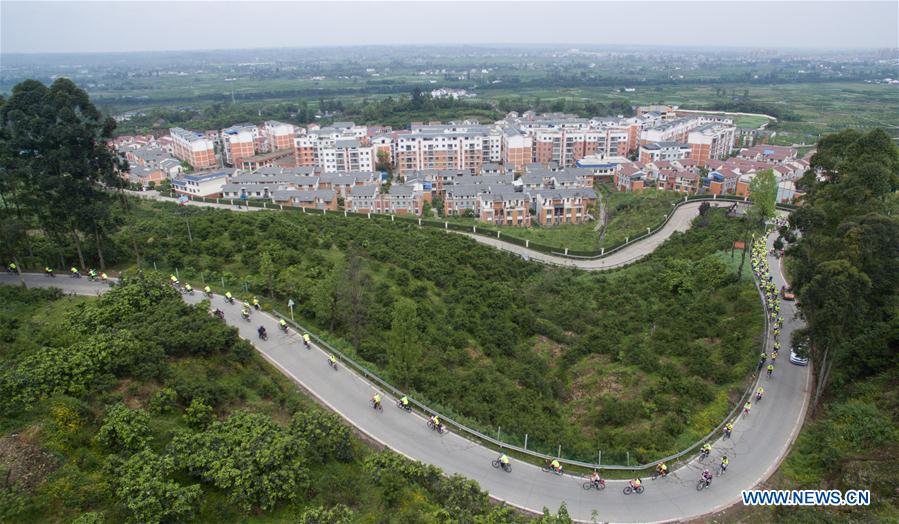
[[144, 486], [404, 351], [198, 414], [267, 269], [55, 155], [252, 459], [835, 308], [326, 297], [763, 195], [125, 429]]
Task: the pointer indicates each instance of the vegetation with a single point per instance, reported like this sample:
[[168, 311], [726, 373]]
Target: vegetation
[[580, 360], [481, 324], [627, 215], [98, 454], [845, 267]]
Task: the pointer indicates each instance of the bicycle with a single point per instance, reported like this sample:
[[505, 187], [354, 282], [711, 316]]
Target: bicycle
[[507, 467], [598, 485]]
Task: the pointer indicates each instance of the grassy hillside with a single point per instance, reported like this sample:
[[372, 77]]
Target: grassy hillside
[[500, 342], [138, 408]]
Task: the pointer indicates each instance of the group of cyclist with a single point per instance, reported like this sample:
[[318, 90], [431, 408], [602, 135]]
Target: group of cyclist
[[772, 306], [92, 274]]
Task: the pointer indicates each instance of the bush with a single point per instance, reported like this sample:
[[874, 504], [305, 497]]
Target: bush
[[125, 429], [145, 489], [324, 434], [163, 401], [339, 514], [198, 414]]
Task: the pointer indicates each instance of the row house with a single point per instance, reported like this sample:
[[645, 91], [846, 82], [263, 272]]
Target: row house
[[460, 198], [193, 148], [504, 206], [277, 158], [402, 200], [343, 183], [364, 199], [562, 206], [768, 153], [206, 185], [630, 177], [311, 199]]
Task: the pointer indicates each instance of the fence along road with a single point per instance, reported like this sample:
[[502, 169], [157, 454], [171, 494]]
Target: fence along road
[[758, 445]]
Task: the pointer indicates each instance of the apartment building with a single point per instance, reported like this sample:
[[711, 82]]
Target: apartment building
[[193, 148], [711, 141], [238, 143], [344, 182], [463, 146], [278, 136], [341, 147], [657, 151]]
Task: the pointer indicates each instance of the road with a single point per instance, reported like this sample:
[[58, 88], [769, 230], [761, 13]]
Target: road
[[759, 443]]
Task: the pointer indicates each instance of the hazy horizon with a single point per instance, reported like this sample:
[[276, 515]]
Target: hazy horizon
[[89, 27]]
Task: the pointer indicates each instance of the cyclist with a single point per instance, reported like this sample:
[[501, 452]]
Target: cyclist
[[662, 470], [770, 370], [104, 277], [92, 274], [706, 449], [724, 463], [706, 477], [245, 313], [332, 360], [48, 271], [208, 291], [746, 407], [504, 460], [75, 272], [246, 305], [189, 288], [228, 297], [376, 400], [405, 401], [595, 479], [774, 356], [306, 339], [635, 484], [728, 429], [256, 303], [759, 393], [261, 331], [283, 325], [556, 466], [436, 421], [11, 267]]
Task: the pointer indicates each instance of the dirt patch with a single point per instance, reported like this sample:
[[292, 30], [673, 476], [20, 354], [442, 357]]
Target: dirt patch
[[23, 463], [548, 347]]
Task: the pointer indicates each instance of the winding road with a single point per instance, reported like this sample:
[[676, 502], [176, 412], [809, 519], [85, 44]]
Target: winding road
[[758, 445]]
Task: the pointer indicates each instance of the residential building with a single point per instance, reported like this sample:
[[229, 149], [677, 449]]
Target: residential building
[[313, 199], [278, 136], [238, 143], [562, 206], [208, 184], [193, 148], [656, 151], [503, 205], [364, 199]]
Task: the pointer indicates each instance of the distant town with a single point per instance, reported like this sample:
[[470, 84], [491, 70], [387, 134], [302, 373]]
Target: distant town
[[524, 170]]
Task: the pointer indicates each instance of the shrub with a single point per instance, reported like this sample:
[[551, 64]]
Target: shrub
[[163, 401], [125, 429], [198, 414]]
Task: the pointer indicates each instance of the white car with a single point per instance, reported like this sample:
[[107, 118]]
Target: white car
[[796, 359]]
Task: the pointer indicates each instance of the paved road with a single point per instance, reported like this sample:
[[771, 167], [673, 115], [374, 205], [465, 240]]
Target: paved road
[[759, 443]]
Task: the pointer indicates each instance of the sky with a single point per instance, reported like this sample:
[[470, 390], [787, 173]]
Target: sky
[[77, 26]]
